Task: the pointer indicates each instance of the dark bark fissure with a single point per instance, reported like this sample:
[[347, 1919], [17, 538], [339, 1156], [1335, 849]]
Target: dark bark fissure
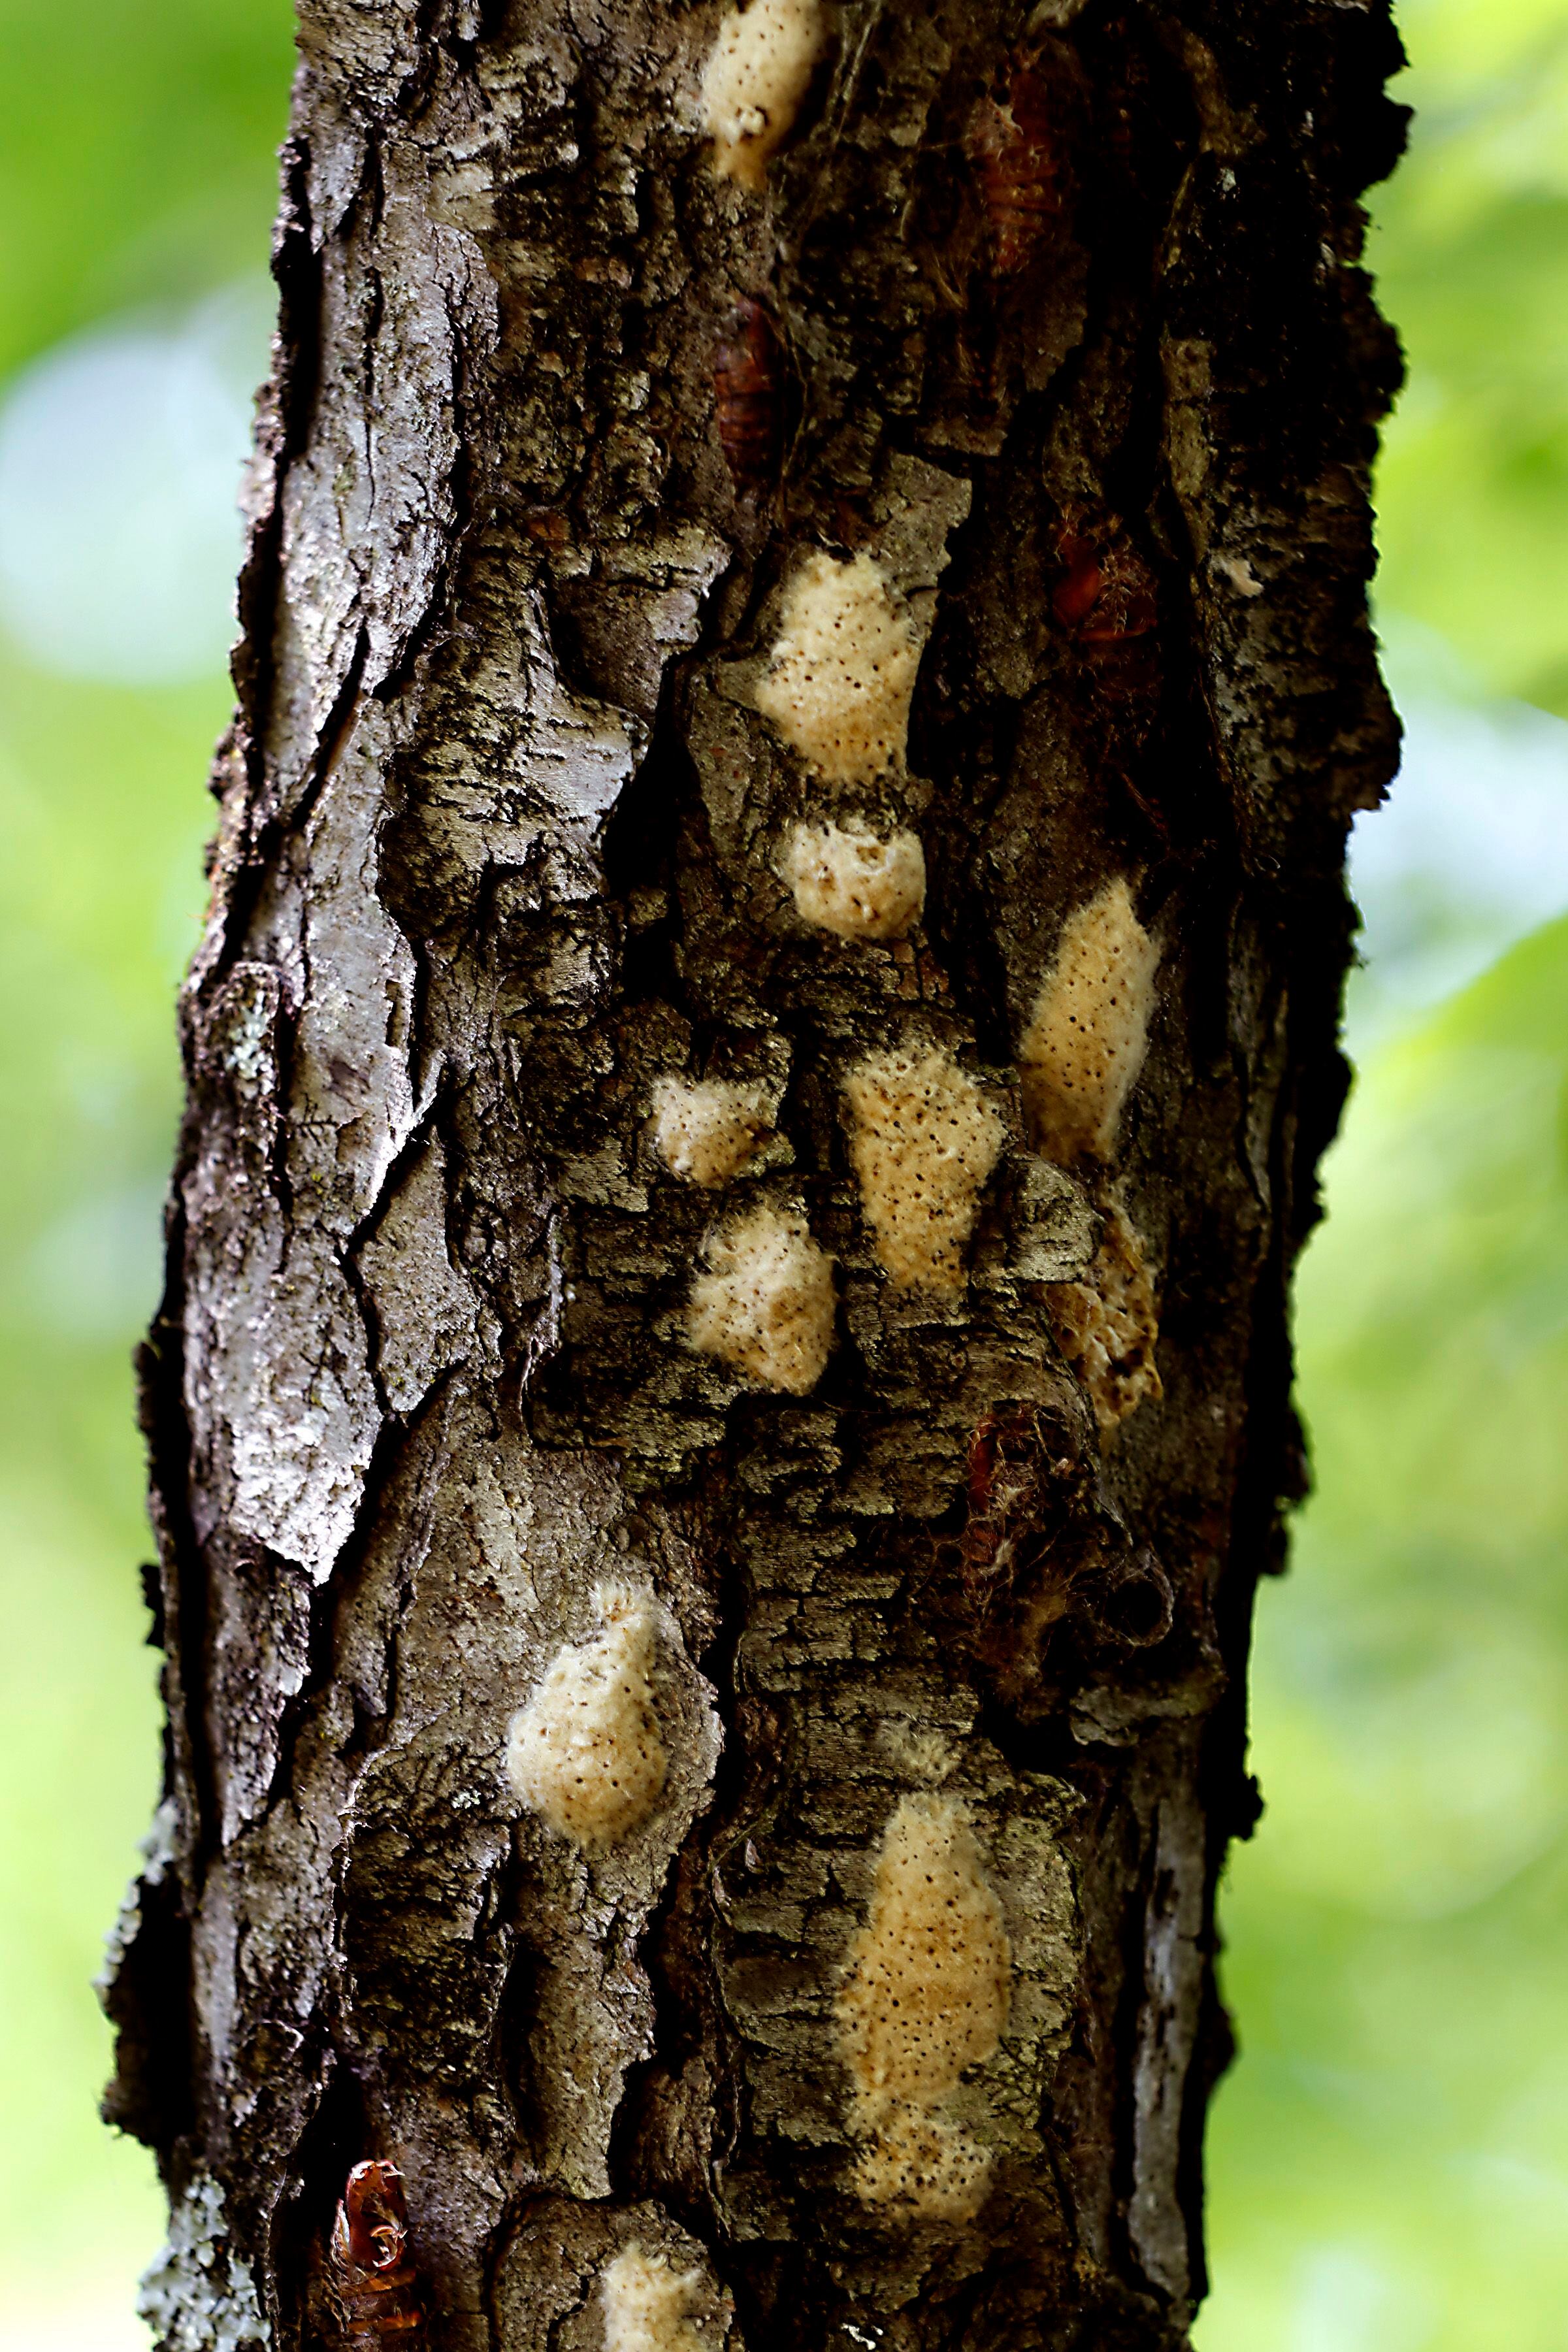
[[1046, 337]]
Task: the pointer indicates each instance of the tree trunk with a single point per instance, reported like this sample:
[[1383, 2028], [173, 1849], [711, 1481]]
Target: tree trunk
[[756, 1068]]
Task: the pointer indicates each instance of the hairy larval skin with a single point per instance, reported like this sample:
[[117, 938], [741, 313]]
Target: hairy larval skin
[[499, 849]]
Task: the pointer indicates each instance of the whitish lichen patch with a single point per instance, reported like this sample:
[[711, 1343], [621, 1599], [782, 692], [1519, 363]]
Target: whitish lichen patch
[[1107, 1327], [848, 879], [649, 2305], [923, 1140], [1085, 1044], [586, 1754], [765, 1304], [843, 670], [755, 81], [709, 1130]]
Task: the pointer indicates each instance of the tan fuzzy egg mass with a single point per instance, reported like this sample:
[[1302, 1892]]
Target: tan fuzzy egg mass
[[847, 879], [709, 1130], [765, 1304], [923, 2165], [585, 1753], [927, 1988], [1085, 1044], [923, 1141], [1106, 1326], [755, 81], [843, 670], [647, 2306]]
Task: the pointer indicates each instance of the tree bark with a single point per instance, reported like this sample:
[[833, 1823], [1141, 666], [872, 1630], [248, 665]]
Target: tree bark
[[630, 1265]]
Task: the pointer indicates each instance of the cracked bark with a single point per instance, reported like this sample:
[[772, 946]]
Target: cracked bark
[[499, 850]]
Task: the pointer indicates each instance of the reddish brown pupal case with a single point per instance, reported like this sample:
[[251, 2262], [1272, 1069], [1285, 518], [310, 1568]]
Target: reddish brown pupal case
[[374, 2286], [1018, 147], [1106, 591], [1005, 1496], [748, 392]]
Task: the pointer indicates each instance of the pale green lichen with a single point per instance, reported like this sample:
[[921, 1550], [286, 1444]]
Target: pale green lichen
[[199, 2295]]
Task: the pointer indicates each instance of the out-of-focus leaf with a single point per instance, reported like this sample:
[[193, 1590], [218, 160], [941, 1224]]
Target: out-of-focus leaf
[[1391, 2159], [1470, 247], [101, 822], [137, 164]]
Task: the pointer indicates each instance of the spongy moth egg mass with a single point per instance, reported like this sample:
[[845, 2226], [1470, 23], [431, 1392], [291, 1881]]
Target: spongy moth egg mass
[[756, 83], [925, 2164], [925, 1997], [710, 1130], [923, 1143], [853, 882], [765, 1304], [1081, 1053], [928, 1988], [586, 1754], [843, 670], [647, 2306]]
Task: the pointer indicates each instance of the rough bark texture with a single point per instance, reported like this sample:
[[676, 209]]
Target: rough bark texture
[[1059, 321]]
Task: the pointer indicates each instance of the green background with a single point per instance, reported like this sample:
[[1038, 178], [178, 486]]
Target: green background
[[1389, 2162]]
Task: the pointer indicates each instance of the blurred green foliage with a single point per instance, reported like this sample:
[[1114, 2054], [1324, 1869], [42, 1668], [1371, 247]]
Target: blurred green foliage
[[101, 820], [137, 169], [1471, 255], [141, 165], [1389, 2159], [1390, 2162], [1391, 2156]]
